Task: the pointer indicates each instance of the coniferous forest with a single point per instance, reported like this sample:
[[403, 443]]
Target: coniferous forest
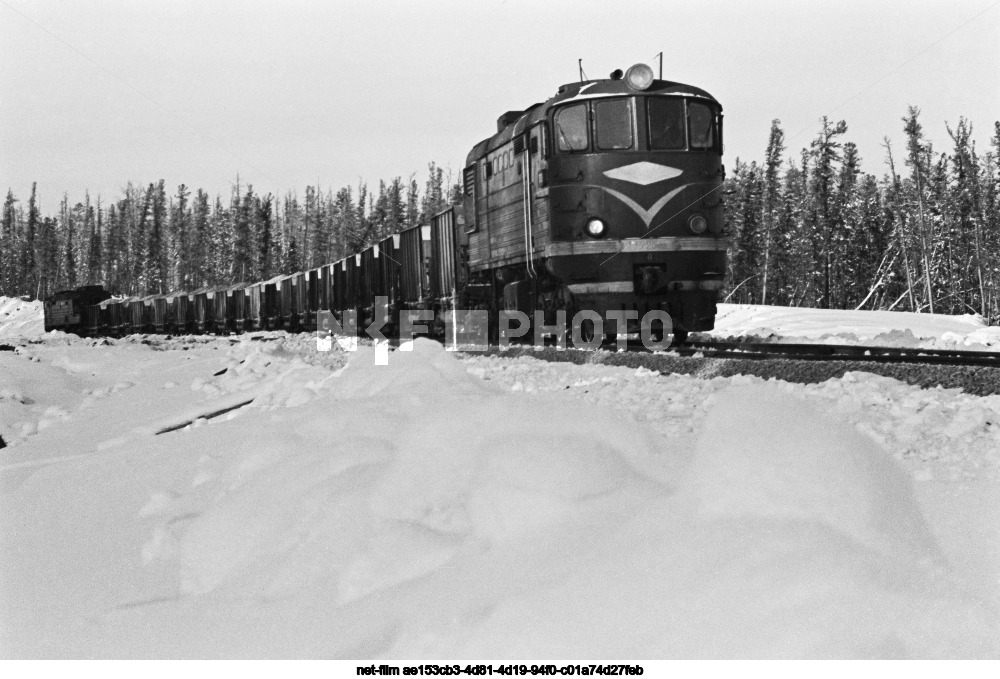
[[150, 242], [813, 229], [805, 229]]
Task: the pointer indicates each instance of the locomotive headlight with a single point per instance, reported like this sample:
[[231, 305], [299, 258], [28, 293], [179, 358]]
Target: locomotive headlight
[[697, 224], [639, 77], [595, 228]]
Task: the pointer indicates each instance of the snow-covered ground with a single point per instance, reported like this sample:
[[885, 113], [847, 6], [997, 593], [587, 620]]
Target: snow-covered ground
[[448, 506], [19, 318], [875, 328]]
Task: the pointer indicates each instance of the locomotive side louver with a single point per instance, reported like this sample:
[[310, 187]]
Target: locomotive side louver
[[469, 175], [518, 145]]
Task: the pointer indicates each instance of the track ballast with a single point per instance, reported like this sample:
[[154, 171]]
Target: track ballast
[[974, 372]]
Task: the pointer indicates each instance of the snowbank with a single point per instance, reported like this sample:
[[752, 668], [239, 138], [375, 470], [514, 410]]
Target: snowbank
[[878, 328], [421, 510], [19, 318]]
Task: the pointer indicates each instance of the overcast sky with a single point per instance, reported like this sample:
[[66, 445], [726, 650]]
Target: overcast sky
[[96, 93]]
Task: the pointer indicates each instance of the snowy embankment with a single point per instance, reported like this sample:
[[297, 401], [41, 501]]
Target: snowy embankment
[[874, 328], [19, 318], [474, 507]]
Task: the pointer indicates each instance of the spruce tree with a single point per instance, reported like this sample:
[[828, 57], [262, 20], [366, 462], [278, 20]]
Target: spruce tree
[[434, 199], [991, 224], [292, 262], [771, 195], [825, 152], [965, 200], [308, 238], [396, 208], [346, 221], [358, 234], [244, 255], [113, 250], [785, 272], [744, 226], [293, 229], [870, 252], [157, 272], [8, 246], [94, 250], [200, 241], [220, 252], [29, 264], [379, 216], [180, 223], [412, 204], [265, 251], [48, 259], [845, 215], [917, 157], [86, 222]]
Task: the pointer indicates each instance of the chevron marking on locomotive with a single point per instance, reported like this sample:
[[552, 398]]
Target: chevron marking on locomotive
[[645, 215], [643, 173]]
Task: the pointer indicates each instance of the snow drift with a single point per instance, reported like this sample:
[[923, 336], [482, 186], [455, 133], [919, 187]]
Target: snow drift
[[19, 318], [417, 510], [842, 326]]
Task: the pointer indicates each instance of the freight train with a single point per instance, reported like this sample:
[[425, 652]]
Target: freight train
[[603, 204]]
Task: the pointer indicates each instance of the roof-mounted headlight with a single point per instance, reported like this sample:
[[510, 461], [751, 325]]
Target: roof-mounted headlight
[[639, 77]]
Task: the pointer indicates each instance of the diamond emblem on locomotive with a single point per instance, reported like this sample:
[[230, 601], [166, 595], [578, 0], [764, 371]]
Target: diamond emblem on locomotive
[[643, 173]]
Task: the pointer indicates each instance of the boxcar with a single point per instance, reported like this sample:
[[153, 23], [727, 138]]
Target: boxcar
[[203, 309], [389, 270], [177, 308], [445, 276], [299, 301], [118, 317], [318, 291], [285, 302], [91, 323], [271, 303], [236, 307], [158, 308], [252, 306], [109, 313], [413, 282]]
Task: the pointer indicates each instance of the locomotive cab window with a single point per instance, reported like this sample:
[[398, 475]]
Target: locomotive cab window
[[571, 128], [613, 124], [666, 123], [701, 123]]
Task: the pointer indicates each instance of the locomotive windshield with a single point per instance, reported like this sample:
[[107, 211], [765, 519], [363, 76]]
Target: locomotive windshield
[[571, 128], [613, 124], [612, 131], [674, 124], [701, 121], [666, 123]]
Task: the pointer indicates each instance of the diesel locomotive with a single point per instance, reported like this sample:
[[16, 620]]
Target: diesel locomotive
[[605, 199]]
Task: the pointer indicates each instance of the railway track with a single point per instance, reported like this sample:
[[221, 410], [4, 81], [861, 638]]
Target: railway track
[[839, 352], [974, 372]]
